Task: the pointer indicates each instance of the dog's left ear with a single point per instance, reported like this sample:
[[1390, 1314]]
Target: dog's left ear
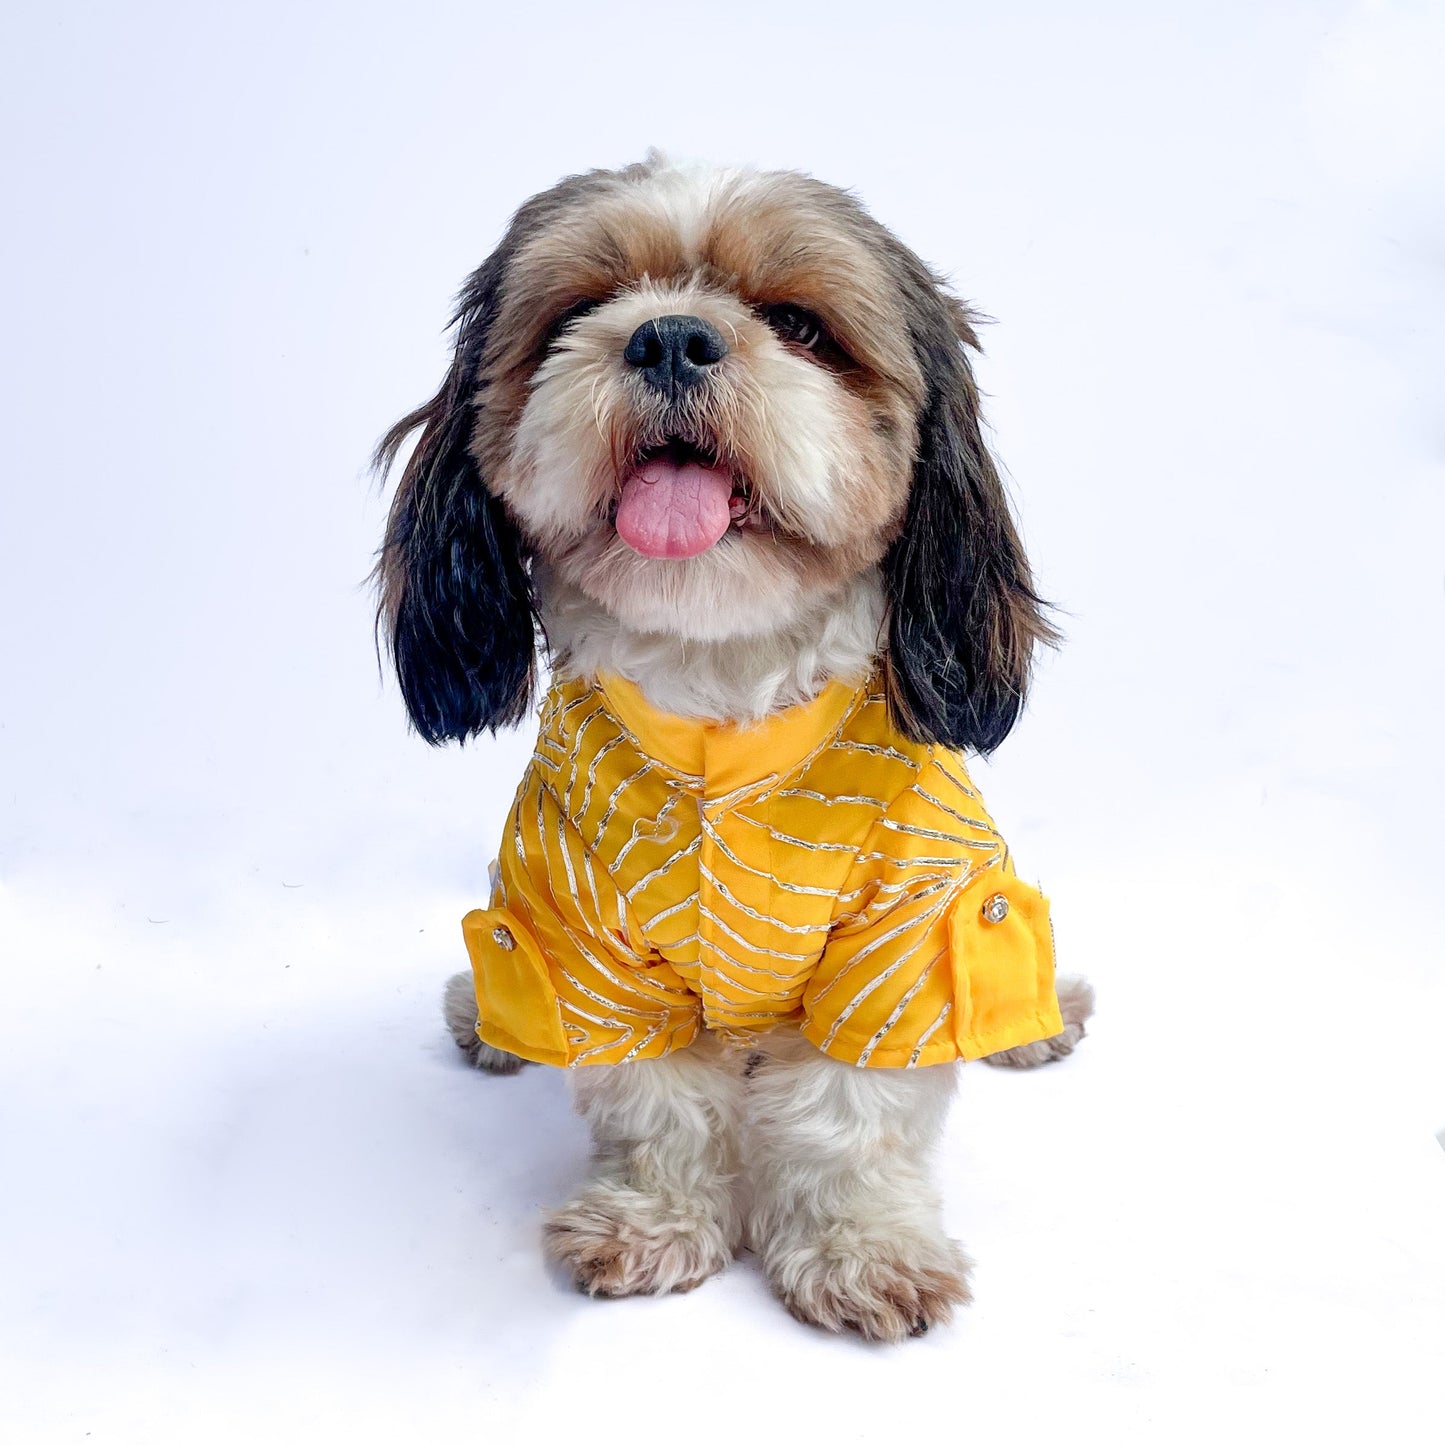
[[963, 615], [456, 603]]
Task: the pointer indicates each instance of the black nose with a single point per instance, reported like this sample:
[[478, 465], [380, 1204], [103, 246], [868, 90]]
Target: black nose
[[674, 352]]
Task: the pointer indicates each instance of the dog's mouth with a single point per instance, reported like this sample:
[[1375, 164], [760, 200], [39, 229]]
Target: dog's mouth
[[679, 497]]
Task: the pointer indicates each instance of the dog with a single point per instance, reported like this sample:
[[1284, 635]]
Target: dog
[[710, 446]]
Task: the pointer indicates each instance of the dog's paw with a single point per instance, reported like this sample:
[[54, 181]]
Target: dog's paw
[[459, 1007], [491, 1060], [620, 1241], [883, 1287], [1076, 1005]]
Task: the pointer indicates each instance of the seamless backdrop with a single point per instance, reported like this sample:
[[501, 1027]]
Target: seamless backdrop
[[246, 1187]]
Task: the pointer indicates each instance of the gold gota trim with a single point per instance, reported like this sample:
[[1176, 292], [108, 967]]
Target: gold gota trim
[[610, 745], [732, 933], [923, 920], [752, 792], [879, 751], [672, 997], [663, 869], [581, 700], [943, 861], [591, 877], [676, 908], [943, 807], [818, 797], [752, 968], [899, 1009], [603, 1002], [927, 1034], [562, 847], [575, 751], [887, 890], [938, 836], [783, 1008], [716, 839], [654, 827], [957, 782], [722, 953], [684, 777], [642, 1043], [802, 929], [728, 752], [864, 993], [808, 830], [615, 798], [781, 837]]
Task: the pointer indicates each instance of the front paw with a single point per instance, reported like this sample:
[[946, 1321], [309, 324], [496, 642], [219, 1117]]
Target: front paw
[[883, 1285], [620, 1241], [459, 1008], [1076, 1006]]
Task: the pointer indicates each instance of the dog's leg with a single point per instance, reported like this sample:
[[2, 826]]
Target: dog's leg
[[845, 1218], [661, 1212], [459, 1007], [1076, 1004]]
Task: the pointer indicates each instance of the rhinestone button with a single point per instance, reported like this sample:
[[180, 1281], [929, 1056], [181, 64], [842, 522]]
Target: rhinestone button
[[995, 908], [502, 937]]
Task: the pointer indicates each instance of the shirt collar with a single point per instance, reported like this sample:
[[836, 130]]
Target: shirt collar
[[729, 756]]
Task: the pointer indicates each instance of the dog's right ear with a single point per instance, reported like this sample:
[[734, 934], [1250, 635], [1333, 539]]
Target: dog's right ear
[[456, 603], [964, 619]]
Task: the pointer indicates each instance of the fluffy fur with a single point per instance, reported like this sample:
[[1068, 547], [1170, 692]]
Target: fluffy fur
[[836, 637], [861, 453], [663, 1209], [870, 531]]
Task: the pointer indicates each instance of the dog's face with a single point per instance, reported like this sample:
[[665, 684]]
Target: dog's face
[[705, 400], [701, 399]]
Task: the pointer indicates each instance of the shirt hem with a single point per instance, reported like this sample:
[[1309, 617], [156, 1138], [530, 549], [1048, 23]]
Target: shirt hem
[[1041, 1024]]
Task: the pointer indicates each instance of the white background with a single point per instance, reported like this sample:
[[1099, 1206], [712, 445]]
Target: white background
[[247, 1190]]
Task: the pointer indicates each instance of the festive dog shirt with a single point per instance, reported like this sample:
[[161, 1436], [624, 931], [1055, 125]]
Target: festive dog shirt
[[662, 875]]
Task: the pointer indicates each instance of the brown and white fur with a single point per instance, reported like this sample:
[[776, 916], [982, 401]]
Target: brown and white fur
[[869, 533]]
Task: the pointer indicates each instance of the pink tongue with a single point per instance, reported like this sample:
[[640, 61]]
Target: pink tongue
[[672, 510]]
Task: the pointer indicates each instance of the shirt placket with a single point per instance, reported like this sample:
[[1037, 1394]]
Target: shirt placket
[[706, 894]]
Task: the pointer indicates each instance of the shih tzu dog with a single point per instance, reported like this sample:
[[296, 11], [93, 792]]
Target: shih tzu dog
[[710, 443]]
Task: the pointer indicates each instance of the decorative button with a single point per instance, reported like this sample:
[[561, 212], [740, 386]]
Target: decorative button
[[995, 908], [502, 937]]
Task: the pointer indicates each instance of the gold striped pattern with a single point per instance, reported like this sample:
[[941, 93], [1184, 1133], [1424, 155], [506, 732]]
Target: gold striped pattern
[[668, 875]]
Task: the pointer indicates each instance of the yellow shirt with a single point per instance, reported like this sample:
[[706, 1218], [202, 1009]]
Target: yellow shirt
[[661, 875]]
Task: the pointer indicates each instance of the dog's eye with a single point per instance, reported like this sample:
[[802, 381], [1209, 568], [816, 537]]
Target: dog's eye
[[796, 326], [575, 312]]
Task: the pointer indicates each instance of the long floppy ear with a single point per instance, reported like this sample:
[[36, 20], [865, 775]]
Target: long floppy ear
[[456, 604], [963, 615]]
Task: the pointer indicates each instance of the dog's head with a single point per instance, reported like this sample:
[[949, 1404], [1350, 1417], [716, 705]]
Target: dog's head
[[706, 400]]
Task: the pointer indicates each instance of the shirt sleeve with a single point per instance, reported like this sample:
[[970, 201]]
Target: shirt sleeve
[[562, 973], [938, 950]]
